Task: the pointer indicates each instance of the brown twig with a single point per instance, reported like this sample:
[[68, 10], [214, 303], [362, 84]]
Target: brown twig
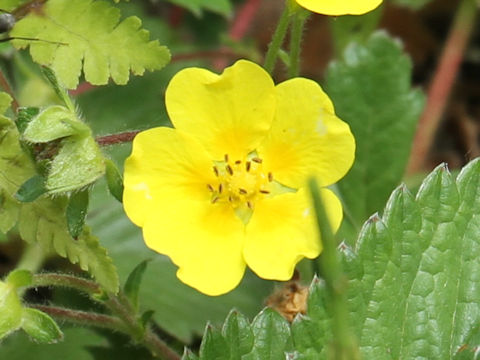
[[117, 138], [442, 83]]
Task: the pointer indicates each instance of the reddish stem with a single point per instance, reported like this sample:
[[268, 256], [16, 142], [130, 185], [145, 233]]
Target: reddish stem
[[117, 138], [6, 87], [442, 83]]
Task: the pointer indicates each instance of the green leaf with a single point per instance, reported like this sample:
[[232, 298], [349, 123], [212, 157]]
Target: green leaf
[[31, 189], [132, 285], [214, 346], [76, 212], [469, 350], [223, 7], [59, 90], [371, 90], [9, 210], [24, 116], [19, 278], [78, 163], [189, 355], [93, 36], [238, 334], [41, 327], [114, 180], [272, 336], [43, 222], [10, 309], [53, 123]]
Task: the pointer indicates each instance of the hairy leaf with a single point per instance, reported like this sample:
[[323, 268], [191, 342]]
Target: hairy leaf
[[41, 327], [43, 221], [88, 34], [414, 277], [371, 90]]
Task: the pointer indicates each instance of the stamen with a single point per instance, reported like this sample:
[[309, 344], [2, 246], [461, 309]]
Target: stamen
[[257, 160], [229, 169], [215, 170], [270, 177], [238, 162], [242, 191], [220, 188], [230, 199], [226, 157], [210, 187], [264, 191], [250, 205], [215, 199], [248, 164]]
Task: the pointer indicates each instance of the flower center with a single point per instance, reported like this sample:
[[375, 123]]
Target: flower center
[[240, 183]]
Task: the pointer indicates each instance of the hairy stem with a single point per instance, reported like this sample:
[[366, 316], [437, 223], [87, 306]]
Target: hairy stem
[[298, 25], [277, 40], [344, 345], [117, 138], [83, 317], [63, 280], [442, 83], [6, 87]]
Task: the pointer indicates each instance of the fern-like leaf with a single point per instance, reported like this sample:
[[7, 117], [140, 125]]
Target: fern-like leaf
[[88, 34]]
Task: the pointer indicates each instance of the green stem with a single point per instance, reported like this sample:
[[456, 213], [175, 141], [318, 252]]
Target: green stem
[[277, 40], [343, 345], [63, 280], [298, 25], [83, 317], [32, 258]]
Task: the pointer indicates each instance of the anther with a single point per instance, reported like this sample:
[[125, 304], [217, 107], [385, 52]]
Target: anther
[[250, 205], [229, 169], [238, 162], [264, 191], [220, 188], [230, 199], [248, 164], [226, 157], [270, 177], [257, 160], [215, 170], [242, 191], [215, 199], [210, 187]]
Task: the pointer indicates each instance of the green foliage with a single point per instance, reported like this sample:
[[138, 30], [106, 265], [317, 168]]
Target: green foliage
[[40, 327], [89, 32], [132, 285], [9, 5], [11, 310], [43, 221], [114, 180], [79, 161], [76, 212], [31, 189], [223, 7], [415, 270], [371, 90]]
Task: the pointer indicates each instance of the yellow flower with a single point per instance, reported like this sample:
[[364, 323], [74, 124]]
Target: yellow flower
[[340, 7], [225, 187]]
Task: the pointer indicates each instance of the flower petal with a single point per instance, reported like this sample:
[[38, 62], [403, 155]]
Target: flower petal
[[306, 138], [205, 240], [340, 7], [282, 231], [164, 164], [228, 113]]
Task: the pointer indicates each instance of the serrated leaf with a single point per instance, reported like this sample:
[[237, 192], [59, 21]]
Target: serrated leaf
[[43, 222], [214, 346], [371, 89], [223, 7], [238, 334], [41, 327], [272, 336], [76, 212], [31, 189], [24, 116], [132, 285], [93, 36]]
